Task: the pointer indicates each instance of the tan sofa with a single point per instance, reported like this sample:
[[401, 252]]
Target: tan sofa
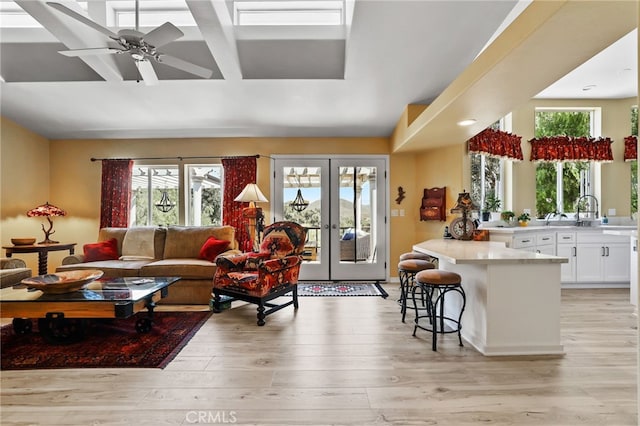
[[12, 271], [176, 253]]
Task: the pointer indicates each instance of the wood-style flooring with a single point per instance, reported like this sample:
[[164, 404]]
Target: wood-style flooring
[[351, 361]]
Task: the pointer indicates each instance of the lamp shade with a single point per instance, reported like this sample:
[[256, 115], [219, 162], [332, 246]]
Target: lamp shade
[[464, 203], [251, 194], [46, 209]]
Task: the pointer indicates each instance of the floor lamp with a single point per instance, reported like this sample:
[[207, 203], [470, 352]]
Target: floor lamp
[[251, 194]]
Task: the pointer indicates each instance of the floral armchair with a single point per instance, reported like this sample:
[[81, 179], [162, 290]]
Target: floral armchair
[[265, 275]]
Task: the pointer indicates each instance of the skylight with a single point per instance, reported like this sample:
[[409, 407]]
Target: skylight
[[302, 12]]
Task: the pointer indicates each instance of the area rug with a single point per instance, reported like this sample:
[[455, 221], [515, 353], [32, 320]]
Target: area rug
[[341, 289], [107, 343]]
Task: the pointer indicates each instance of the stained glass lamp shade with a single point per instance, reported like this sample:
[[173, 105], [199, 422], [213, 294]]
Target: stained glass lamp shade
[[47, 210]]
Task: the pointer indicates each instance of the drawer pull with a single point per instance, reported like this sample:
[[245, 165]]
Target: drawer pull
[[526, 241], [546, 238]]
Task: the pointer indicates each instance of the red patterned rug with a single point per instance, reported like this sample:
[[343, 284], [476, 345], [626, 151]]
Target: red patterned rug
[[106, 343], [341, 288]]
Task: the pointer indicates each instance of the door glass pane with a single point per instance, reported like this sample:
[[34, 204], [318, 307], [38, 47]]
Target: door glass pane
[[303, 204], [358, 193]]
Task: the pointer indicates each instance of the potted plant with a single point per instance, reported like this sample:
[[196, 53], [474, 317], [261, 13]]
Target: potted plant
[[524, 219], [491, 204], [507, 216]]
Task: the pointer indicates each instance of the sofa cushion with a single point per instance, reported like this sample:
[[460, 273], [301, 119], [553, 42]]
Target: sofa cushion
[[212, 248], [119, 234], [111, 268], [138, 244], [186, 241], [11, 277], [184, 268], [102, 250]]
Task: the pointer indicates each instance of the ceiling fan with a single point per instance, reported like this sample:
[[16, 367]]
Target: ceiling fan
[[142, 47]]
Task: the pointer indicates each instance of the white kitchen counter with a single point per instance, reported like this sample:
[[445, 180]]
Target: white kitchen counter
[[513, 296]]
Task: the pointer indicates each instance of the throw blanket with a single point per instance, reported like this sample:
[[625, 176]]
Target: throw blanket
[[138, 244]]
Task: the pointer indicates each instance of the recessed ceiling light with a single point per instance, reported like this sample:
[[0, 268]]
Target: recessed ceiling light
[[467, 122], [589, 87]]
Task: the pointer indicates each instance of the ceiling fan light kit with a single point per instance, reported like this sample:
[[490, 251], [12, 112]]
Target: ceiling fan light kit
[[140, 46]]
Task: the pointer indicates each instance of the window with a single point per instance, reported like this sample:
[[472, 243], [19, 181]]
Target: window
[[300, 12], [486, 176], [634, 163], [154, 196], [205, 195], [157, 191], [560, 184]]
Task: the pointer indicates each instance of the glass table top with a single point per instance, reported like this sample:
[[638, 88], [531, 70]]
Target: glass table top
[[125, 289]]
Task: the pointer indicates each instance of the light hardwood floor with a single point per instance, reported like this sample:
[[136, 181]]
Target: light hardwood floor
[[351, 361]]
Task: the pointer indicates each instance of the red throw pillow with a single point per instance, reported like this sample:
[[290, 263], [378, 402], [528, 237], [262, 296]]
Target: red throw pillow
[[212, 248], [103, 250]]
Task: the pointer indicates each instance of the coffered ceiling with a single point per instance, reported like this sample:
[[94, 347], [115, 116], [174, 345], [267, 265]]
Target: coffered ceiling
[[349, 79]]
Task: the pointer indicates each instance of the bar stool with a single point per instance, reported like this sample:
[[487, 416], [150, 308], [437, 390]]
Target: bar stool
[[437, 283], [415, 255], [407, 270]]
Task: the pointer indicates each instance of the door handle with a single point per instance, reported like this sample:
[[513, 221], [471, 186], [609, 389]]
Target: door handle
[[607, 251], [326, 226], [602, 251], [575, 251], [334, 226]]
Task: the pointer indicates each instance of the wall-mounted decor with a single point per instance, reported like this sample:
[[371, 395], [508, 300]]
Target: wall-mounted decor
[[400, 195], [433, 204]]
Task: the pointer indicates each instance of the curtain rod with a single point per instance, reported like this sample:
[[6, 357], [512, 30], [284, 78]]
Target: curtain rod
[[179, 158]]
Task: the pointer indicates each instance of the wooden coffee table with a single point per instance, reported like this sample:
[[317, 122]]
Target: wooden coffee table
[[61, 317]]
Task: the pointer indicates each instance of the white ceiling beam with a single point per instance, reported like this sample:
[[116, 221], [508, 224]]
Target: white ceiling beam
[[73, 34], [216, 27]]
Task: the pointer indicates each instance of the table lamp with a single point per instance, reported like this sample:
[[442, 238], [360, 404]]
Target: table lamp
[[47, 210], [251, 194]]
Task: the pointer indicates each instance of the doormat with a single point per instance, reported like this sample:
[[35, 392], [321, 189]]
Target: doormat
[[342, 288], [107, 343]]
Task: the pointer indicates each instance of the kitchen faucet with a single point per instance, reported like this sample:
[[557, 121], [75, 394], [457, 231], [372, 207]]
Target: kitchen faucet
[[585, 197]]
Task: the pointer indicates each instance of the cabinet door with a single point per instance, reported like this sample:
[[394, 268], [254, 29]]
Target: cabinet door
[[547, 249], [589, 262], [617, 263], [567, 270]]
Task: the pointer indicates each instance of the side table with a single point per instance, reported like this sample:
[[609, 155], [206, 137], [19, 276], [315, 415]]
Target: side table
[[42, 250]]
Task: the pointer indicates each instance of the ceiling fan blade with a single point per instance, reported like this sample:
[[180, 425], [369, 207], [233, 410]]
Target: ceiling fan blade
[[94, 51], [165, 33], [78, 17], [185, 66], [147, 72]]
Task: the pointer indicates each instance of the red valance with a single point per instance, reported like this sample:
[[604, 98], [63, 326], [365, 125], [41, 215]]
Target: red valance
[[497, 143], [566, 148], [630, 148]]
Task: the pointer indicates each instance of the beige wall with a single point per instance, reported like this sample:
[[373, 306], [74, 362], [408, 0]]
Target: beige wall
[[24, 174]]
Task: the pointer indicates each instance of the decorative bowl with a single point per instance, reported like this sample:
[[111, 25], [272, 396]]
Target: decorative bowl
[[62, 282], [22, 241]]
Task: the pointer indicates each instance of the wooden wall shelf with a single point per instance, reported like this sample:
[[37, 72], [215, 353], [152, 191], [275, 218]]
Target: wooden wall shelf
[[434, 203]]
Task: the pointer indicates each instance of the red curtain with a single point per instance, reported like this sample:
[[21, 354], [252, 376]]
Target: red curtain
[[630, 148], [238, 172], [566, 148], [497, 143], [116, 193]]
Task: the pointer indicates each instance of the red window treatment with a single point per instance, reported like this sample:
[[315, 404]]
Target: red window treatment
[[630, 148], [238, 172], [497, 143], [566, 148], [116, 193]]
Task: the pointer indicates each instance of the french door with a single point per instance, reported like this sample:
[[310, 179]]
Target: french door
[[342, 203]]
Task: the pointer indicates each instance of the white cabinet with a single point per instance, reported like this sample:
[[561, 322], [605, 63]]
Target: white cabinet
[[602, 258], [546, 243], [567, 248]]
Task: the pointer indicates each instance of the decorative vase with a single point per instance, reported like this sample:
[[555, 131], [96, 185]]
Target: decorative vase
[[523, 223]]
